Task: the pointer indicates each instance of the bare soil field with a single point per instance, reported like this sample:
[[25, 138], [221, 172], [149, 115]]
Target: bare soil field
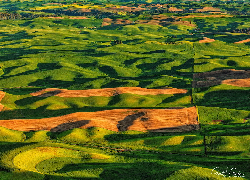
[[237, 82], [157, 120], [226, 76], [206, 40], [206, 9], [160, 20], [122, 9], [215, 16], [107, 92], [108, 21], [70, 17], [55, 17], [174, 9], [243, 41], [2, 94]]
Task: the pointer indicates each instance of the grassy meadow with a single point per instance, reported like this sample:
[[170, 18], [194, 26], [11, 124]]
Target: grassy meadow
[[67, 45]]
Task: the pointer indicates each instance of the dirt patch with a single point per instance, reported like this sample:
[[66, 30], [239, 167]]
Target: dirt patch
[[243, 41], [70, 17], [208, 9], [108, 21], [2, 94], [237, 82], [160, 20], [107, 92], [78, 17], [186, 23], [124, 9], [206, 40], [214, 16], [157, 120], [84, 10], [55, 17], [226, 76], [49, 93], [174, 9]]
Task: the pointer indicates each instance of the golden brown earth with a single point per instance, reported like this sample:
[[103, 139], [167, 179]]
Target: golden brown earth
[[2, 94], [105, 92], [208, 9], [206, 40], [237, 82], [243, 41], [157, 120], [214, 16]]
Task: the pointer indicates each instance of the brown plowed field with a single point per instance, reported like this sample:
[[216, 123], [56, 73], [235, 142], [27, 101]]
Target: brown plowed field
[[116, 120], [243, 41], [226, 76], [237, 82], [206, 40], [105, 92]]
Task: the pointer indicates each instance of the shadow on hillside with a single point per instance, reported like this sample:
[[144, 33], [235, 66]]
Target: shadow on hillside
[[175, 97], [43, 112], [9, 69], [132, 61], [110, 71], [49, 82], [26, 23], [29, 100], [124, 124], [178, 130], [86, 65], [153, 66], [138, 170], [21, 91], [156, 51], [14, 37], [231, 99], [7, 54], [40, 67], [234, 129], [70, 125]]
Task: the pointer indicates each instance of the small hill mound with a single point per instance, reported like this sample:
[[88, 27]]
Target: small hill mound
[[9, 135]]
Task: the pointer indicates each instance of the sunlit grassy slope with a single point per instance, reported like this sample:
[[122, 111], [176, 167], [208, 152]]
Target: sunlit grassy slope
[[104, 157]]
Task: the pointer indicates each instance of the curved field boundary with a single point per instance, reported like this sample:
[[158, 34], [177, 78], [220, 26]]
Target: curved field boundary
[[105, 92], [243, 41], [157, 120], [2, 94], [24, 162], [28, 157]]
